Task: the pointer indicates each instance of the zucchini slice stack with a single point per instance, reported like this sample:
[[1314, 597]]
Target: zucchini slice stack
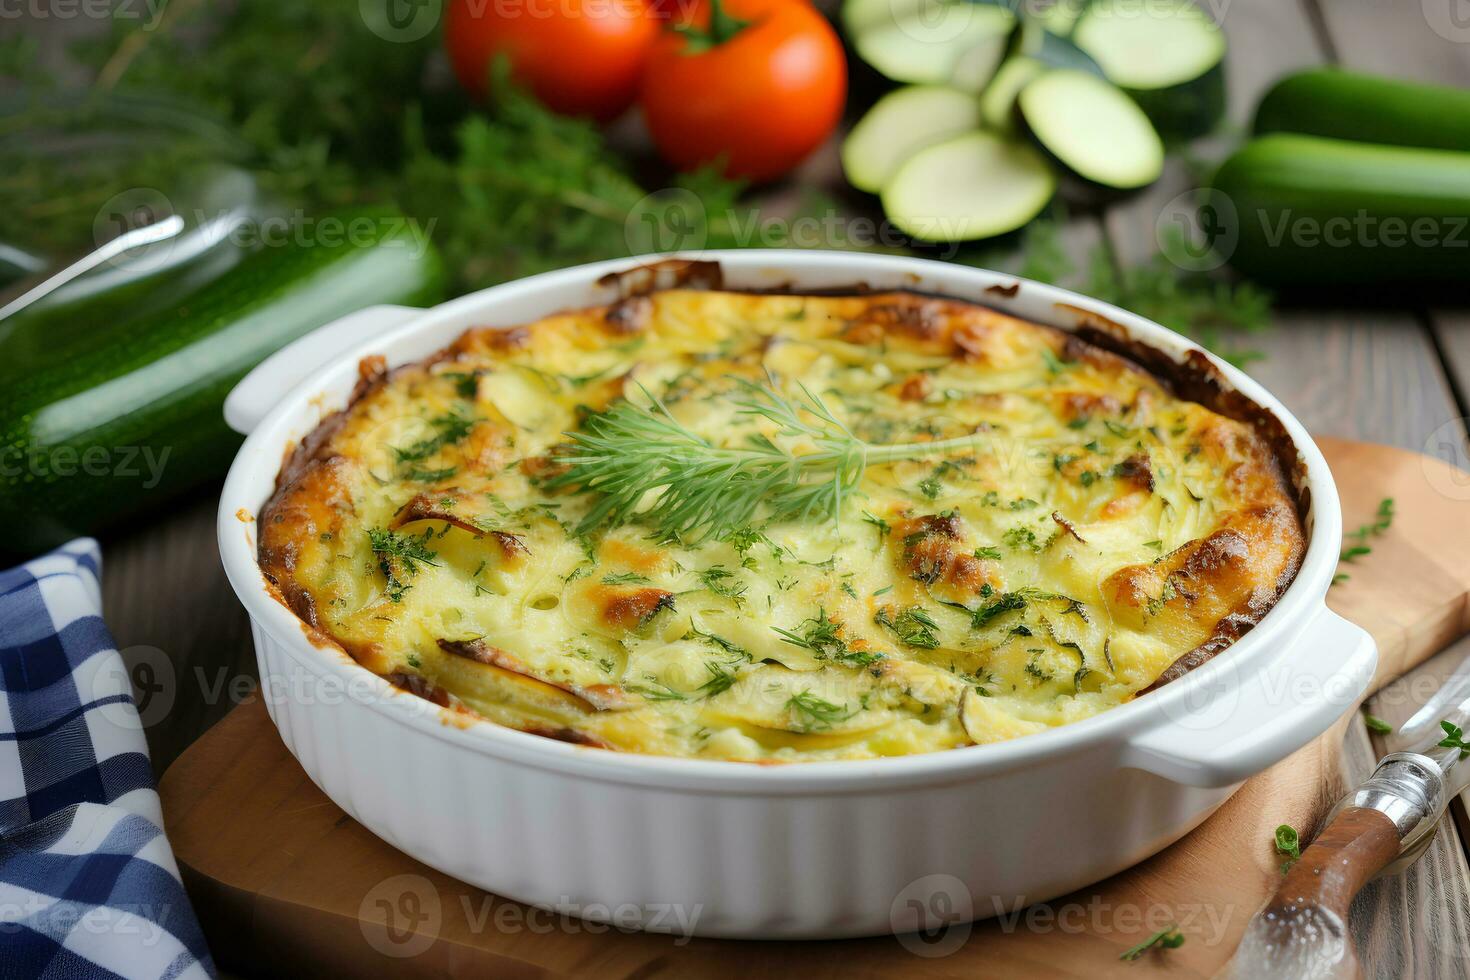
[[998, 107]]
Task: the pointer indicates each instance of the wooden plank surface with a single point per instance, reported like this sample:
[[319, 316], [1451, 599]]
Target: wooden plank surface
[[1417, 924]]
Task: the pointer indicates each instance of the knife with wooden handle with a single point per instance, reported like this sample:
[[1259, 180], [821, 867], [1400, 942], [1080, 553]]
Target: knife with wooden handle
[[1382, 825]]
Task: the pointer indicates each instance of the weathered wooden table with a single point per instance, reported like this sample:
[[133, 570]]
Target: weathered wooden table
[[1397, 375]]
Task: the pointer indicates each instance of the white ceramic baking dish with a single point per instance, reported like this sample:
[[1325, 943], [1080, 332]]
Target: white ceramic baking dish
[[827, 849]]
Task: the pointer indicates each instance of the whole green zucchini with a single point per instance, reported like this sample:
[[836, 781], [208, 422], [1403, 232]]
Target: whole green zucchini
[[1346, 105], [93, 436], [1312, 211]]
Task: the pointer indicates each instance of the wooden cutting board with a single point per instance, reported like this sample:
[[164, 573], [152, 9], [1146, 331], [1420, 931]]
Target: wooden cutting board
[[285, 882]]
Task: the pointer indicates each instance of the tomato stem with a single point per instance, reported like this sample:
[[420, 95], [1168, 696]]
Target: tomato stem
[[722, 27]]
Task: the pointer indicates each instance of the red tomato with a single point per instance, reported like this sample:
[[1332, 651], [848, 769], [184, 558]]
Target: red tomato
[[579, 57], [760, 90]]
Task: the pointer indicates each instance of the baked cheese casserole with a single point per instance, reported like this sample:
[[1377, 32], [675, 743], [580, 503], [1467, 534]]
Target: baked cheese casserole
[[779, 528]]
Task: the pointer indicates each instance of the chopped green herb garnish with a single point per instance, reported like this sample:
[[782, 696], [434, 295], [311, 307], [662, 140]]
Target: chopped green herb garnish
[[714, 639], [656, 691], [1381, 523], [914, 627], [1454, 738], [1376, 725], [820, 635], [816, 714], [724, 583], [1168, 937], [884, 528], [721, 678], [623, 578], [449, 428], [1288, 842], [1021, 539], [400, 555]]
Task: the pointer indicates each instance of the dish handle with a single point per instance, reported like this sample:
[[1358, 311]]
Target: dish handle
[[1229, 726], [264, 387]]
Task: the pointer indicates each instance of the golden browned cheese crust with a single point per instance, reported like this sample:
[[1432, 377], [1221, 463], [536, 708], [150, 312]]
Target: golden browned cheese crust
[[1104, 535]]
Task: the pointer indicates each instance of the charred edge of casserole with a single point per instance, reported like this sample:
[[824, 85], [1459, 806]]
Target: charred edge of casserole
[[276, 564], [1198, 380], [1195, 379]]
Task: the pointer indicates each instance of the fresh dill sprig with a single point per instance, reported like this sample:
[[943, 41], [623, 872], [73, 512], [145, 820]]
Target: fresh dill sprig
[[629, 451], [724, 583], [820, 635], [812, 713], [721, 678], [714, 639], [656, 690]]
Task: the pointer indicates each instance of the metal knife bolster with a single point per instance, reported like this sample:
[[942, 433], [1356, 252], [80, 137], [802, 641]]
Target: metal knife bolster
[[1409, 789]]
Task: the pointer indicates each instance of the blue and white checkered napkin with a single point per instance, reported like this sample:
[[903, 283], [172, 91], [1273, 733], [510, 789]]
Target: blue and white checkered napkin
[[88, 884]]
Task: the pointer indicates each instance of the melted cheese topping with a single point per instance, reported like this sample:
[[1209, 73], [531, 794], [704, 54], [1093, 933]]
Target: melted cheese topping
[[1106, 529]]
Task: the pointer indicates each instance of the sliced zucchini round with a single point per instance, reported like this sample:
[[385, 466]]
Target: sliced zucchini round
[[937, 44], [1092, 128], [1168, 54], [973, 186], [998, 101], [859, 15], [899, 125]]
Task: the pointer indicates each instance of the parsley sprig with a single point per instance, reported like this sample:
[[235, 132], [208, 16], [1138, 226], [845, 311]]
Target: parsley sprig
[[1454, 738]]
